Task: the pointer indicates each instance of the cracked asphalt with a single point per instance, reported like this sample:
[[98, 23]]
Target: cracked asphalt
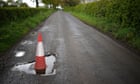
[[84, 55]]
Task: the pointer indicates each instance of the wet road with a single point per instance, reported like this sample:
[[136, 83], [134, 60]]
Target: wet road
[[85, 56]]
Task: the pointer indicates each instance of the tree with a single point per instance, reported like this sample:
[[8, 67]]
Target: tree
[[71, 2], [47, 1], [61, 2], [9, 0], [37, 4], [53, 2], [23, 5], [12, 3], [2, 3]]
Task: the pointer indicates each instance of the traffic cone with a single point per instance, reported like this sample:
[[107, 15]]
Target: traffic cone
[[40, 65]]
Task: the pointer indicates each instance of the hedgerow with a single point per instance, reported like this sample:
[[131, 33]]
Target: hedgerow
[[124, 12], [8, 15], [17, 22], [123, 15]]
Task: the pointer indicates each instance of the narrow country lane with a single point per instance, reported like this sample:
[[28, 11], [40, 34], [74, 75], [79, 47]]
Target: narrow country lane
[[84, 55]]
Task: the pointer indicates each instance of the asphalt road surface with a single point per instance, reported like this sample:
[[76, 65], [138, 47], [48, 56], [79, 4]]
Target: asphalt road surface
[[85, 56]]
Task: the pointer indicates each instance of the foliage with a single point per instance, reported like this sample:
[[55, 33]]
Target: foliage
[[53, 2], [3, 4], [13, 31], [12, 3], [62, 2], [13, 14], [120, 17], [71, 2], [123, 12], [23, 5]]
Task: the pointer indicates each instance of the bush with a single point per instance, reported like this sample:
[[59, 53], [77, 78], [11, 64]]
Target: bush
[[123, 12], [121, 18], [11, 33], [8, 15]]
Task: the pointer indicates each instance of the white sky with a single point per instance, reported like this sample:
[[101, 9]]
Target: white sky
[[30, 3]]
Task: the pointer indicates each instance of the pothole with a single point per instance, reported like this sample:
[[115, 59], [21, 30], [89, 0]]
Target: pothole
[[49, 53], [28, 67], [27, 42], [20, 53]]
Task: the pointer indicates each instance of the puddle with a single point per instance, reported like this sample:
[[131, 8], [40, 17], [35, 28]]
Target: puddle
[[20, 53], [28, 68], [26, 42]]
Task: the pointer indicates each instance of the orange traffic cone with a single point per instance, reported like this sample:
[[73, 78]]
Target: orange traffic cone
[[40, 65]]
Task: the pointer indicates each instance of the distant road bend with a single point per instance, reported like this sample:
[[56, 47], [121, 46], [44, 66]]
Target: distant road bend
[[85, 55]]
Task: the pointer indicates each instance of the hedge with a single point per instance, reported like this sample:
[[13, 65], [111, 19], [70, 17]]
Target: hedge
[[17, 23], [126, 13], [8, 15], [120, 18]]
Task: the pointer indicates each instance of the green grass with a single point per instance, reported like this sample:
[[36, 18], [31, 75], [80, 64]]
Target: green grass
[[11, 33], [126, 35], [101, 23]]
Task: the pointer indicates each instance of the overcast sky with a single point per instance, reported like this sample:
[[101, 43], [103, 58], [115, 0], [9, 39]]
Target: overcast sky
[[30, 3]]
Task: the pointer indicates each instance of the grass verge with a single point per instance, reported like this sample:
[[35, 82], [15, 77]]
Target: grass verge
[[125, 35], [11, 33]]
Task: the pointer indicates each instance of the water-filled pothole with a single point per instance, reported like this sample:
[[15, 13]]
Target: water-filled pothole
[[28, 67], [20, 53]]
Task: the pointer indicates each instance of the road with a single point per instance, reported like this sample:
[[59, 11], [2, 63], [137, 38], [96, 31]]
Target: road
[[85, 55]]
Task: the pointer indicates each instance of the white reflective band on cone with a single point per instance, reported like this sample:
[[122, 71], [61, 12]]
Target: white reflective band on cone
[[40, 49]]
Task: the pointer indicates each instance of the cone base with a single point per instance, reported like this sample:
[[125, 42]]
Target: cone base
[[40, 63], [40, 71]]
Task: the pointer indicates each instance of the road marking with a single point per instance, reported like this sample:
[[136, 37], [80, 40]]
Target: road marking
[[28, 68], [20, 53]]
